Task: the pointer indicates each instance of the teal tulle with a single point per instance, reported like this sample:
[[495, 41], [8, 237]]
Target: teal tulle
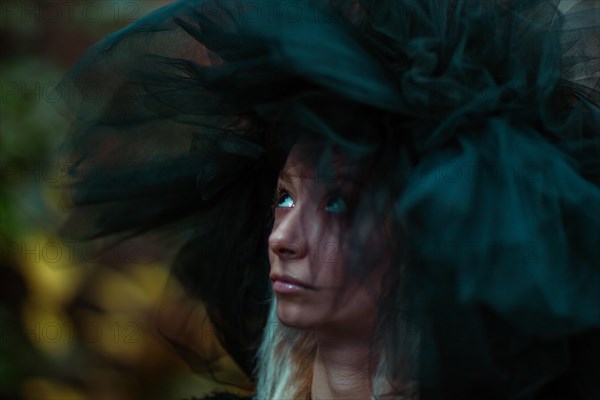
[[524, 242], [484, 120]]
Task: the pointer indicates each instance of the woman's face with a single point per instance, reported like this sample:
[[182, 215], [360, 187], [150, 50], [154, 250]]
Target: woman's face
[[313, 288]]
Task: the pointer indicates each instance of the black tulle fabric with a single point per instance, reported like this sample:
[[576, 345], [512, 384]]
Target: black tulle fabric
[[484, 120]]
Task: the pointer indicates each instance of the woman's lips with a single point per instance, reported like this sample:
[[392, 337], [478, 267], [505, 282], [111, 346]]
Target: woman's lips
[[289, 285]]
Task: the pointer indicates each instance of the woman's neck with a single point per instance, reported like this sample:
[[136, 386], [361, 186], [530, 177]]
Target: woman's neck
[[341, 369]]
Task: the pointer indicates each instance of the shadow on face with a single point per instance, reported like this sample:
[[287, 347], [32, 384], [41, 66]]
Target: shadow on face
[[312, 243]]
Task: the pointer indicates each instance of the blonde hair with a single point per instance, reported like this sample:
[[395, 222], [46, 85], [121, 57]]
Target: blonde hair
[[285, 360]]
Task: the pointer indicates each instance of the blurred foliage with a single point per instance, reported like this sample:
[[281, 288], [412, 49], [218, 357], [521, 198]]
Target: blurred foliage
[[77, 323]]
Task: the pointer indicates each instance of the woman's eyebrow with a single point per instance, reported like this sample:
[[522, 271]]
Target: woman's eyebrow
[[284, 176]]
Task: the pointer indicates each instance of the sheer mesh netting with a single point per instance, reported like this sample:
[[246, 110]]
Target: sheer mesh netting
[[484, 123]]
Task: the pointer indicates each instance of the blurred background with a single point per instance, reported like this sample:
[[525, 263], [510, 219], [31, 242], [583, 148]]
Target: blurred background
[[77, 322]]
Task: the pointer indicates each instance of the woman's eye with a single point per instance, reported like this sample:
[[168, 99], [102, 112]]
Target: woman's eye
[[336, 205], [285, 201]]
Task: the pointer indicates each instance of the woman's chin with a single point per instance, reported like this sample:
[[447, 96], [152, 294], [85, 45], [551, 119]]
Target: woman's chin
[[294, 316]]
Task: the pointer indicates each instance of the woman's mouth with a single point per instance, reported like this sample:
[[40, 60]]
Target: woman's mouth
[[288, 285]]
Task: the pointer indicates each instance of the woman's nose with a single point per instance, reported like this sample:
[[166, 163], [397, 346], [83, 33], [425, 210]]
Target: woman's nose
[[288, 238]]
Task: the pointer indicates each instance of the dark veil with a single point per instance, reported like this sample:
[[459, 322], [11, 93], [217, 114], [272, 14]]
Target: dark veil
[[484, 123]]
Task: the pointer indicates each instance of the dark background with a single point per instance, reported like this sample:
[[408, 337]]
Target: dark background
[[77, 323]]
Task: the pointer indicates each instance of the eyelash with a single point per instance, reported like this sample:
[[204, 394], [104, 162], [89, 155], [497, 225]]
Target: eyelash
[[278, 195], [281, 192]]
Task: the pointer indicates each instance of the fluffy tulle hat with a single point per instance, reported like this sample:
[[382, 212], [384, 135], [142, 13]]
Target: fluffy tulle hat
[[483, 119]]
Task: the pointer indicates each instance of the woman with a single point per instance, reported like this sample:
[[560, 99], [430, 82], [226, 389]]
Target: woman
[[334, 312], [469, 133]]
